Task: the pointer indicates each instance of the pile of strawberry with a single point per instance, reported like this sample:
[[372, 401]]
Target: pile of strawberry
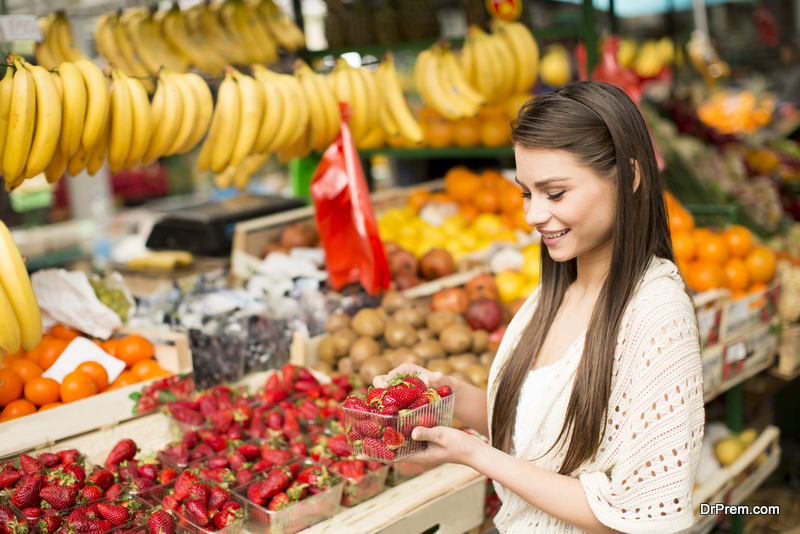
[[133, 475], [234, 469], [10, 524], [224, 410], [381, 436], [209, 506], [287, 485], [158, 521], [170, 389], [94, 518], [196, 445]]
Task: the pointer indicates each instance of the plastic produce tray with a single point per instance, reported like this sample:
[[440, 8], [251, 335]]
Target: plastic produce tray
[[371, 485]]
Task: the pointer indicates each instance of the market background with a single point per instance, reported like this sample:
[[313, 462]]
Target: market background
[[269, 240]]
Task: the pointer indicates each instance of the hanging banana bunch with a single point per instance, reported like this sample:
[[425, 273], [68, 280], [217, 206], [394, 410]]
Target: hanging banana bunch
[[357, 88], [59, 42]]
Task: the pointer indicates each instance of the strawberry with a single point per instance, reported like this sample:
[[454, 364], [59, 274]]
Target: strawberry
[[275, 457], [90, 493], [375, 395], [244, 476], [208, 405], [236, 460], [78, 472], [214, 440], [390, 409], [290, 425], [114, 492], [401, 396], [350, 469], [128, 472], [444, 391], [249, 451], [357, 405], [215, 462], [31, 513], [169, 502], [274, 420], [49, 459], [428, 420], [143, 485], [217, 497], [374, 466], [198, 492], [8, 479], [254, 493], [6, 514], [30, 465], [178, 453], [27, 492], [117, 515], [103, 478], [182, 484], [221, 475], [338, 445], [414, 381], [274, 395], [277, 480], [161, 522], [190, 439], [70, 456], [221, 421], [422, 400], [148, 471], [185, 415], [167, 475], [84, 525], [229, 514], [124, 450], [376, 449], [393, 439], [353, 435], [50, 524], [196, 512], [431, 394], [371, 427], [279, 501]]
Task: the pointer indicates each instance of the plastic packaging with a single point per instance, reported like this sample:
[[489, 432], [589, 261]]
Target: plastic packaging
[[401, 472], [368, 486]]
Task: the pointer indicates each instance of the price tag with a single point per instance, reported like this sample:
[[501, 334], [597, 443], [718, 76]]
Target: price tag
[[508, 10], [19, 28], [735, 352]]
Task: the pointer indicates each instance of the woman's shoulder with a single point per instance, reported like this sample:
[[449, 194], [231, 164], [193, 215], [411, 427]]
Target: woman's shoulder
[[662, 288]]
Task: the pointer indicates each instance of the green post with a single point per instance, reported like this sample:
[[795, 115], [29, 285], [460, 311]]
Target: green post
[[301, 170], [589, 35], [612, 18]]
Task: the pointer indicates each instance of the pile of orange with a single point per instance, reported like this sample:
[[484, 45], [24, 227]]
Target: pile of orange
[[718, 259], [23, 389]]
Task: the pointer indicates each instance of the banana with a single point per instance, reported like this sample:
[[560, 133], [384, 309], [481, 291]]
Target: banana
[[151, 31], [274, 107], [189, 117], [244, 45], [126, 49], [224, 179], [333, 113], [121, 122], [177, 36], [386, 121], [360, 120], [78, 162], [458, 80], [74, 101], [526, 53], [58, 165], [133, 21], [142, 122], [245, 170], [505, 60], [17, 285], [66, 41], [58, 84], [263, 37], [205, 105], [20, 125], [318, 126], [97, 106], [169, 120], [48, 121], [373, 98], [43, 51], [97, 155], [300, 148], [463, 106], [286, 33], [466, 60], [427, 75], [6, 90], [396, 103], [485, 71], [226, 121], [10, 335], [106, 46], [339, 84], [251, 96], [296, 114]]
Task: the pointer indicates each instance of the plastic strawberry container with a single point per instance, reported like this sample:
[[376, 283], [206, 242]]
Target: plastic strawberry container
[[187, 526], [402, 472], [180, 466], [437, 413], [368, 486], [299, 516]]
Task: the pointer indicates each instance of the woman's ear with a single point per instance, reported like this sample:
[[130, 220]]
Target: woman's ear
[[637, 175]]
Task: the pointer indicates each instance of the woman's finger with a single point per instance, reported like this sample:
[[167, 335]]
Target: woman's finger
[[435, 379]]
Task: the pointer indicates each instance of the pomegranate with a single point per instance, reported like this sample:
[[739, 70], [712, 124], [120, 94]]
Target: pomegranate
[[405, 280], [402, 261], [482, 285], [436, 263], [453, 300], [484, 314]]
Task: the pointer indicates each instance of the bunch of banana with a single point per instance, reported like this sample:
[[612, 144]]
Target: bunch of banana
[[324, 114], [394, 116], [357, 88], [144, 34], [443, 85], [281, 26], [243, 22], [59, 43], [20, 317], [113, 43], [195, 46]]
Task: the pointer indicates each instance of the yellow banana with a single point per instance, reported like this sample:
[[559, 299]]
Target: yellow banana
[[66, 41], [6, 90], [10, 335], [458, 80], [333, 114], [20, 124], [130, 54], [205, 105], [466, 60], [95, 157], [373, 98], [48, 121], [142, 122], [17, 285], [464, 107], [245, 170], [132, 21], [268, 48], [296, 114], [281, 26], [506, 60], [224, 179], [361, 102], [176, 35], [318, 127], [274, 107], [242, 42], [298, 149], [74, 101], [340, 87], [59, 85], [251, 96], [386, 121], [77, 163], [428, 74], [43, 50], [396, 103], [121, 122], [227, 117], [485, 74], [170, 120], [526, 53], [107, 46], [97, 104], [58, 165], [190, 114], [151, 32]]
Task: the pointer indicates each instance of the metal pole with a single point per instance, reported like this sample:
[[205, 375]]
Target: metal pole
[[612, 17], [298, 14], [589, 35], [700, 19]]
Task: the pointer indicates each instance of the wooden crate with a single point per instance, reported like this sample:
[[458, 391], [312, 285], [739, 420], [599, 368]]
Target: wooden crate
[[742, 315], [712, 368], [250, 237], [749, 350], [710, 305], [99, 411], [789, 350]]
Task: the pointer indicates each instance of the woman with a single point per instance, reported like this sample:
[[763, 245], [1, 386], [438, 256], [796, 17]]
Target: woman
[[595, 403]]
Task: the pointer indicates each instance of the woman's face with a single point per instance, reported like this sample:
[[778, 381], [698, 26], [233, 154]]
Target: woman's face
[[571, 206]]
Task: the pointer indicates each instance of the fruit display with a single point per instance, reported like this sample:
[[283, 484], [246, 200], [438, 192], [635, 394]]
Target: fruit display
[[555, 69], [59, 42], [19, 310], [380, 425], [737, 113], [205, 507]]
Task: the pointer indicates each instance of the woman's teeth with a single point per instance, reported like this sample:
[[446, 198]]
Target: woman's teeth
[[553, 236]]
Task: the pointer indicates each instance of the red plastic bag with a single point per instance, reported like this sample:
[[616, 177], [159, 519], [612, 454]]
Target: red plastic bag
[[349, 234]]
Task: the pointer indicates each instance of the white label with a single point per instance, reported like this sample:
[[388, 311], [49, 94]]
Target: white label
[[19, 28], [735, 352], [82, 350], [706, 319]]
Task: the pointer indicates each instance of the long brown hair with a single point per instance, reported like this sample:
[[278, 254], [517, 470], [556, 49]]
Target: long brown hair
[[602, 129]]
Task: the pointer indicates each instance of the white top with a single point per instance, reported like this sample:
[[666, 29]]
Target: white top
[[641, 479]]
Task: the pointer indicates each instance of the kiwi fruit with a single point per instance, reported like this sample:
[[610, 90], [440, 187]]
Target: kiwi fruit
[[372, 367], [324, 367], [439, 365], [364, 348], [399, 334], [393, 301], [342, 340], [478, 374], [480, 341], [461, 361], [413, 316], [455, 338], [438, 320], [346, 366], [425, 335], [368, 322], [487, 358], [430, 349], [337, 321]]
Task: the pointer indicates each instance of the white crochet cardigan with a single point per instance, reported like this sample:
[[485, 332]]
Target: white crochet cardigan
[[642, 476]]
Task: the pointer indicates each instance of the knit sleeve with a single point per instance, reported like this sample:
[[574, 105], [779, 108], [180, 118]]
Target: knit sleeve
[[662, 411]]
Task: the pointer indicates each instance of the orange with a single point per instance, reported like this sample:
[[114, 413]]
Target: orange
[[494, 132], [494, 111], [50, 405], [739, 240], [111, 346], [97, 372], [756, 287], [520, 221], [418, 198], [713, 249], [10, 386], [761, 265], [18, 408], [65, 333], [698, 234], [738, 293], [438, 133], [469, 213], [680, 220], [50, 351], [511, 200], [77, 385], [706, 276], [672, 203], [737, 276], [491, 179], [41, 391], [144, 367], [26, 369], [507, 221], [487, 201], [131, 349], [461, 184], [156, 373], [34, 354], [125, 378], [683, 246], [467, 133], [8, 359], [442, 197]]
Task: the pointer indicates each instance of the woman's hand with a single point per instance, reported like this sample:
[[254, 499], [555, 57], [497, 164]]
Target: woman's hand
[[445, 446], [432, 379]]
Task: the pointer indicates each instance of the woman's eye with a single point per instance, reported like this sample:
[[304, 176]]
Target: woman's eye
[[556, 196], [526, 194]]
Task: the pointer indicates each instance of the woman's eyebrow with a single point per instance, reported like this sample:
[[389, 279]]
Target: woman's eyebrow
[[542, 183]]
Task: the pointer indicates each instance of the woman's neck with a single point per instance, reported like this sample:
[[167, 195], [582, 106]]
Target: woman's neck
[[592, 272]]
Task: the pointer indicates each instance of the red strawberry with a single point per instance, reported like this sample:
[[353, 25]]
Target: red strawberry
[[254, 493], [114, 492], [31, 513], [317, 478], [182, 483], [353, 435], [90, 493], [290, 425], [215, 462], [350, 469], [428, 420], [374, 466], [375, 395], [190, 439], [50, 524], [414, 381], [167, 475], [198, 492], [279, 501], [8, 479], [391, 410], [170, 502], [208, 405], [217, 497], [244, 476], [277, 480], [128, 472], [229, 514], [177, 453], [124, 450], [117, 515], [161, 522], [77, 471], [371, 427], [401, 396], [143, 485], [275, 457], [27, 492], [297, 491], [202, 451], [196, 512], [149, 471], [185, 415], [422, 400], [298, 448], [6, 514], [393, 439], [30, 465], [356, 404], [70, 456], [236, 460], [103, 478], [84, 525], [444, 391], [49, 459], [338, 445], [274, 420], [214, 440], [376, 449], [249, 450]]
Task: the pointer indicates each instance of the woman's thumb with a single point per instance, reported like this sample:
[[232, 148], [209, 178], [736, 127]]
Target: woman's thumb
[[420, 434], [435, 379]]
